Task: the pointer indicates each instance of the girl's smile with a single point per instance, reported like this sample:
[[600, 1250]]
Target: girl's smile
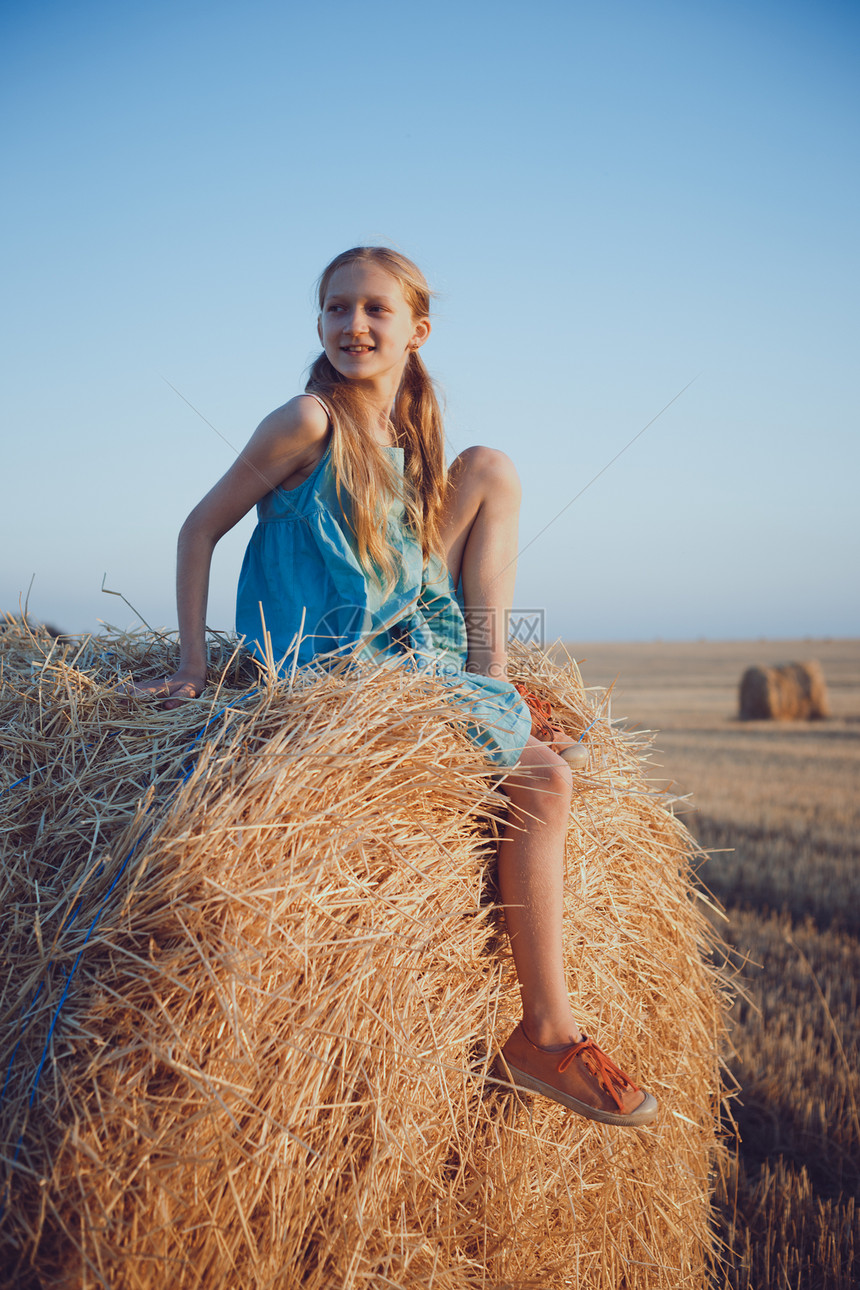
[[366, 325]]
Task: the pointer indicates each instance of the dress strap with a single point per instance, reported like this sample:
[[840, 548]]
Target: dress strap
[[310, 394]]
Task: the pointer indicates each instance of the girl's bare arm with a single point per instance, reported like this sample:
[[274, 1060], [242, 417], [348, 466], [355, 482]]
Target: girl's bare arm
[[288, 443]]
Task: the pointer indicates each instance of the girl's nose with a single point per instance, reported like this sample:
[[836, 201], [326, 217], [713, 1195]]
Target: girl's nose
[[355, 323]]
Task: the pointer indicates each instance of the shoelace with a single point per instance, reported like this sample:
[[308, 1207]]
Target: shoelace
[[602, 1067], [543, 727]]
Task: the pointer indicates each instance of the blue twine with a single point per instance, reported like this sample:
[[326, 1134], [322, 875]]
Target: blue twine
[[25, 1021], [69, 974], [586, 730], [37, 770]]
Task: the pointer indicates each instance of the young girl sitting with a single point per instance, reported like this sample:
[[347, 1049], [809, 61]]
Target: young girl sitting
[[363, 539]]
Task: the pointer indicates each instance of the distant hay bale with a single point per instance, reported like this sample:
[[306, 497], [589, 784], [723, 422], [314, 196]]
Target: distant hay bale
[[255, 978], [784, 692]]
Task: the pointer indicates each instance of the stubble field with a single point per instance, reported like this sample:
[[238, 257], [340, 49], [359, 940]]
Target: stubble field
[[776, 804]]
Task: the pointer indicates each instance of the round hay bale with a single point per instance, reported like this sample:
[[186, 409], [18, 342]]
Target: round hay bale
[[256, 977], [784, 692]]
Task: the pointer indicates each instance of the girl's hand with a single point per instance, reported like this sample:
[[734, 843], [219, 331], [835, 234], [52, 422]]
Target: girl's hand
[[175, 689]]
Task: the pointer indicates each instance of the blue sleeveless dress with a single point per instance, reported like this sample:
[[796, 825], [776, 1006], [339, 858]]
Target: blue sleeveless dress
[[301, 574]]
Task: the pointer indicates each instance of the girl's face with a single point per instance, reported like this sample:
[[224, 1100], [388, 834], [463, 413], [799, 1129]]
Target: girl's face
[[366, 326]]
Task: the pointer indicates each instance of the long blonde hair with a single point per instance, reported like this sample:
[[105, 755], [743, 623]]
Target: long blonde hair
[[363, 472]]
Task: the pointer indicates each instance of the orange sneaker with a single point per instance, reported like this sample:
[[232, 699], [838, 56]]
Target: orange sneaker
[[548, 731], [580, 1077]]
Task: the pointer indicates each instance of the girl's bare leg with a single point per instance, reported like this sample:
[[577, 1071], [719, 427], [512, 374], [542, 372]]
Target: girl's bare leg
[[480, 529], [531, 884]]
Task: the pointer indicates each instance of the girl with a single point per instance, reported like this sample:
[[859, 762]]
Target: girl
[[362, 539]]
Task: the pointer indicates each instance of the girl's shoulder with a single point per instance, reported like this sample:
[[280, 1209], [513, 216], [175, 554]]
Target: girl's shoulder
[[290, 441], [304, 416]]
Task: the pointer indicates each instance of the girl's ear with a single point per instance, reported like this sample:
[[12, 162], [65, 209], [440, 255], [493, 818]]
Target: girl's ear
[[319, 329], [420, 334]]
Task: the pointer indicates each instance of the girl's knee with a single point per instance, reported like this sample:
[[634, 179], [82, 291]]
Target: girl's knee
[[559, 789], [489, 467], [545, 787]]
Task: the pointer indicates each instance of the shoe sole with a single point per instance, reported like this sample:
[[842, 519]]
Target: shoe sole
[[644, 1113]]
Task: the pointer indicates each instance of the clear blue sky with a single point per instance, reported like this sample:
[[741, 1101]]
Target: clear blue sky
[[610, 200]]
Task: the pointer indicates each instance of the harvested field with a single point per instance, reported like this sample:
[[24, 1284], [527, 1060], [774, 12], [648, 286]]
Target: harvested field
[[254, 976], [779, 806]]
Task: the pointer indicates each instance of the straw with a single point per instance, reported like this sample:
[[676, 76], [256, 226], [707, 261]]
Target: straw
[[256, 975]]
